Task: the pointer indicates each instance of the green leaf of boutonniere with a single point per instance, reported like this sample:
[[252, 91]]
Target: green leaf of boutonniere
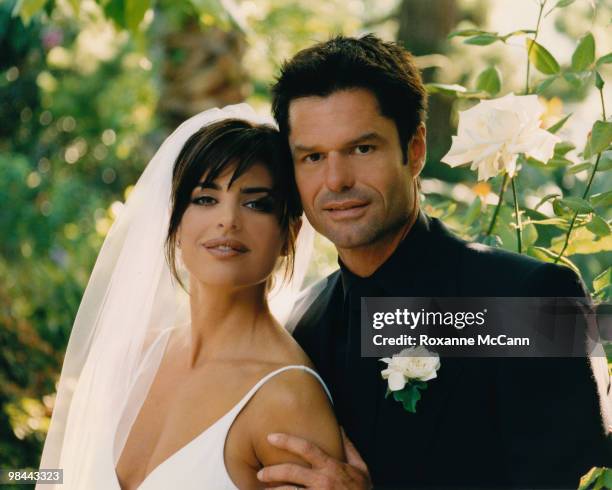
[[410, 395]]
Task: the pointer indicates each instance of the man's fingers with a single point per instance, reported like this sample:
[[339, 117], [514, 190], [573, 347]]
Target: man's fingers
[[284, 487], [310, 452], [286, 472], [352, 455]]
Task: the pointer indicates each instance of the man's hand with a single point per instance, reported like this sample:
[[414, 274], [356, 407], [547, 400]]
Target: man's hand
[[326, 473]]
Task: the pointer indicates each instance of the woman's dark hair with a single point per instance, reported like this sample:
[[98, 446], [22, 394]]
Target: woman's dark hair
[[342, 63], [238, 144]]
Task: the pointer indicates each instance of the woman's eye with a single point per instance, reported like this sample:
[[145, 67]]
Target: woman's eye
[[204, 200], [313, 157], [363, 149], [265, 204]]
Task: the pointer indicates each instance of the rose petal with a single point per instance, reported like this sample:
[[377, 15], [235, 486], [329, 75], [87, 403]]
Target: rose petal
[[397, 381]]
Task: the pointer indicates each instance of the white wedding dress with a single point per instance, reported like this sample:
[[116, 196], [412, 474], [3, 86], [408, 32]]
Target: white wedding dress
[[200, 463]]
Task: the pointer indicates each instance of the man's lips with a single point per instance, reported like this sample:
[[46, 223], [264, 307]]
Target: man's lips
[[343, 210], [226, 244], [343, 205]]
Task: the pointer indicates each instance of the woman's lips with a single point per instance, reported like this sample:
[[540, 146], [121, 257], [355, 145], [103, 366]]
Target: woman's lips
[[225, 247]]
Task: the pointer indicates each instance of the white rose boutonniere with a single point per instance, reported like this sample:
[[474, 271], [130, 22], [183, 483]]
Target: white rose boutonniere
[[407, 374]]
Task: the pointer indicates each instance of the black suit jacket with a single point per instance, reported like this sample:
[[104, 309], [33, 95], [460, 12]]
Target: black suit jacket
[[482, 423]]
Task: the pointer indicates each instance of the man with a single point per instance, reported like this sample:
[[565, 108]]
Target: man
[[353, 111]]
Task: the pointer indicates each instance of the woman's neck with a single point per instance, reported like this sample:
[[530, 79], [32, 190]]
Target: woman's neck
[[224, 321]]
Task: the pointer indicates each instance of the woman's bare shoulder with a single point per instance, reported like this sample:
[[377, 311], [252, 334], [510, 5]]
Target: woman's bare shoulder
[[293, 402]]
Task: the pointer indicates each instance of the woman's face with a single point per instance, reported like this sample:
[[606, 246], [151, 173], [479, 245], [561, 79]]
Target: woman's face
[[232, 237]]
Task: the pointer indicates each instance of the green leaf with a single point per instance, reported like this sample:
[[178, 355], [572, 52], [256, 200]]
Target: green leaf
[[598, 226], [134, 13], [575, 79], [559, 124], [541, 58], [26, 9], [530, 234], [558, 162], [76, 6], [544, 84], [579, 168], [489, 81], [606, 58], [563, 147], [558, 209], [605, 162], [115, 10], [558, 222], [599, 82], [546, 198], [587, 480], [603, 199], [603, 282], [469, 32], [582, 242], [576, 204], [435, 88], [473, 211], [607, 478], [584, 55], [564, 3], [601, 137], [482, 39], [547, 255], [410, 395]]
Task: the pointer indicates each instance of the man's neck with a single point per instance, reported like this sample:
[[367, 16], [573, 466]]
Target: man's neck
[[364, 261]]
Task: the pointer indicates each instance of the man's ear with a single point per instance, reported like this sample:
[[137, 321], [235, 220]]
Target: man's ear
[[417, 150]]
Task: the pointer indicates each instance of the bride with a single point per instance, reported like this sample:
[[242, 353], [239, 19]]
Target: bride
[[177, 369]]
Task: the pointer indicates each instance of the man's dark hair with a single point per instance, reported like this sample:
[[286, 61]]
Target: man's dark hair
[[384, 68]]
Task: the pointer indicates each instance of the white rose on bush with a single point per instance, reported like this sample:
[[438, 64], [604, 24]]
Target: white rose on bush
[[493, 133], [414, 363]]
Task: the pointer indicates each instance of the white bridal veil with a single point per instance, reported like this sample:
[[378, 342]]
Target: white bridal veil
[[128, 307]]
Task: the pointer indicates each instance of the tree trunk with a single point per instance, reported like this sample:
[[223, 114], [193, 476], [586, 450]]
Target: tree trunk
[[202, 69]]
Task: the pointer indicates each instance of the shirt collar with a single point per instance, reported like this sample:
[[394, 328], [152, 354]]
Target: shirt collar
[[406, 259]]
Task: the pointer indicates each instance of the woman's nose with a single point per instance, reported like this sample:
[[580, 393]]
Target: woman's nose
[[229, 218]]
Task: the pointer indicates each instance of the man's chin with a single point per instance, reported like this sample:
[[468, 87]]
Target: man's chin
[[350, 236]]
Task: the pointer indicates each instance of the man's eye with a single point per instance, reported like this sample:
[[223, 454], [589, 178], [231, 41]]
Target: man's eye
[[313, 157], [204, 201], [363, 149]]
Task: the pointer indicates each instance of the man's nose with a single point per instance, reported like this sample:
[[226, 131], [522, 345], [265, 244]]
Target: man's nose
[[339, 173]]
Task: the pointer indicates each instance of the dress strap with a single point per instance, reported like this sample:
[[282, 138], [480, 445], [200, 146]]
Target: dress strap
[[262, 381]]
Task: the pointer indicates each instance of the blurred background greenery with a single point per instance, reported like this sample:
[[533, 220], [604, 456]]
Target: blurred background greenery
[[88, 91]]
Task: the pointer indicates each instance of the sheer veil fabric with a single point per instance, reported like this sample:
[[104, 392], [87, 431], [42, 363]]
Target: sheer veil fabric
[[129, 306]]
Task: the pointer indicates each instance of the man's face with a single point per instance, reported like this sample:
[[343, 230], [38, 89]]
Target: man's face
[[349, 167]]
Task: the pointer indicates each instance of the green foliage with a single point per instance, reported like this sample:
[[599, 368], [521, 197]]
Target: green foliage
[[541, 58], [489, 81], [596, 479], [584, 55], [82, 123]]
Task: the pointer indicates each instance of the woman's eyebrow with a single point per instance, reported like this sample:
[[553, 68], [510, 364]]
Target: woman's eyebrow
[[209, 185], [243, 190], [255, 190]]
